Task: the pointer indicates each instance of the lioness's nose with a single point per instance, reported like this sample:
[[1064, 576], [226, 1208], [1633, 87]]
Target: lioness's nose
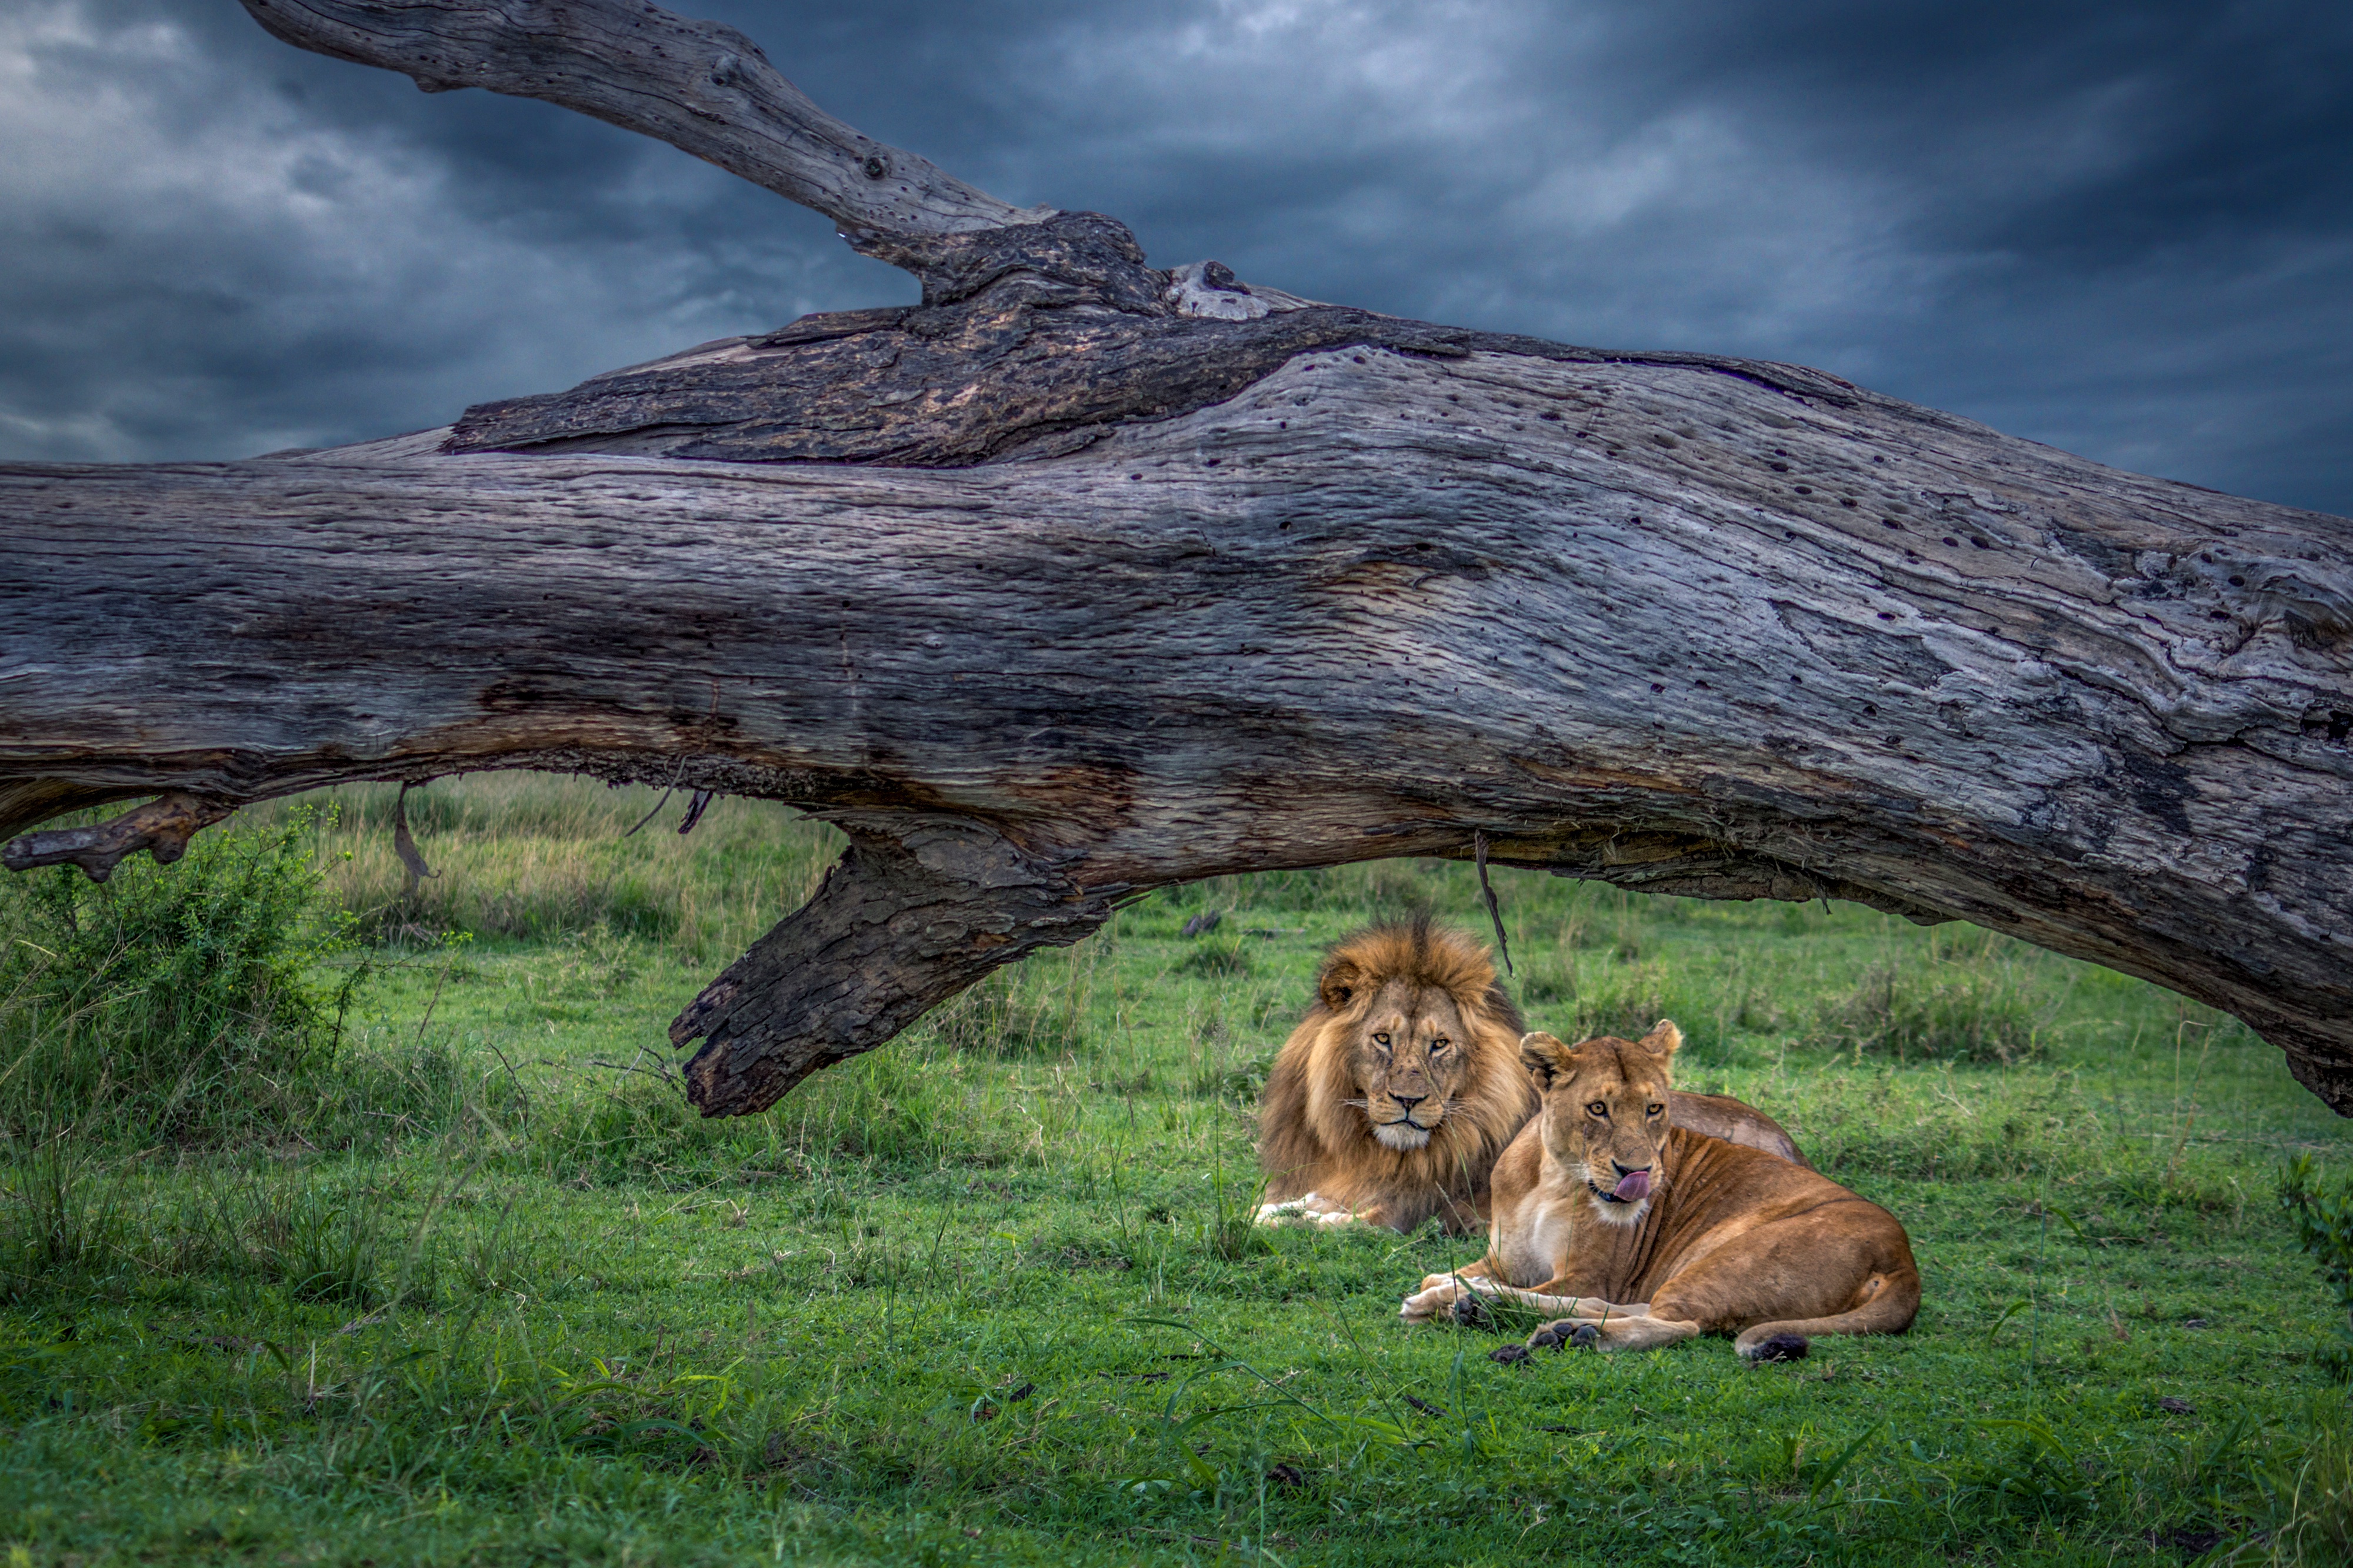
[[1625, 1170]]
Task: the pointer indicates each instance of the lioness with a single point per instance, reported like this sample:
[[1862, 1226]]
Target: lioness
[[1642, 1232], [1392, 1098]]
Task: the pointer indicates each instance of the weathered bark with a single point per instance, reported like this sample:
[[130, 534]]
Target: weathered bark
[[919, 907], [1165, 579]]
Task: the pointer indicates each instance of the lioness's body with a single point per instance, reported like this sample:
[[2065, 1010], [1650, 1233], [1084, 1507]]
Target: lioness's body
[[1715, 1237], [1392, 1099]]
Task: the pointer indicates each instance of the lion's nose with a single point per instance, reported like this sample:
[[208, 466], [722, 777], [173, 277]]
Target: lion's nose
[[1625, 1170], [1405, 1103]]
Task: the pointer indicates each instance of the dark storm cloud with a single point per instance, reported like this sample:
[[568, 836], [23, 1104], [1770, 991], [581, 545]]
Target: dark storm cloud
[[2126, 229]]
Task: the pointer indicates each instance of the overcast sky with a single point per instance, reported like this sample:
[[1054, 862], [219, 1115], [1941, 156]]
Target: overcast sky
[[2126, 229]]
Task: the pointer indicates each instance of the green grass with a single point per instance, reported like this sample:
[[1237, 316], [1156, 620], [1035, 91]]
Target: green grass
[[983, 1295]]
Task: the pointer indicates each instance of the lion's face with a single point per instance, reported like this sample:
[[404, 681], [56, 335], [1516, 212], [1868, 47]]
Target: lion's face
[[1402, 1084], [1409, 1050], [1605, 1112]]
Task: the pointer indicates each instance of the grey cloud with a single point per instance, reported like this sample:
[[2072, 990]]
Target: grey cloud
[[2124, 229]]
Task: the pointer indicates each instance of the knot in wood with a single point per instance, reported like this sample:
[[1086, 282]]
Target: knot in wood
[[1085, 255]]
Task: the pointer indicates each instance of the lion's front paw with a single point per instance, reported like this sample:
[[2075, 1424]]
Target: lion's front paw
[[1304, 1209], [1309, 1208]]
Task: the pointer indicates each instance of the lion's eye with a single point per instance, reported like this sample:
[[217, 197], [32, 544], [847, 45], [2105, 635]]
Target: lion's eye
[[1438, 1046], [1657, 1110], [1599, 1108], [1382, 1041]]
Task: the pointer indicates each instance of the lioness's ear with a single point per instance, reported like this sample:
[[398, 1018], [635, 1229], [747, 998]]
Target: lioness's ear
[[1543, 1054], [1338, 984], [1664, 1040]]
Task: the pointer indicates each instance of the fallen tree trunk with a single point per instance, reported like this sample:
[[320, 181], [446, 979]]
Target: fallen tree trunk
[[1082, 578]]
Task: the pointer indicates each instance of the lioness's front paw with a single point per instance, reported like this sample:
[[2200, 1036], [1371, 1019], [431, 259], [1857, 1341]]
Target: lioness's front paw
[[1427, 1303]]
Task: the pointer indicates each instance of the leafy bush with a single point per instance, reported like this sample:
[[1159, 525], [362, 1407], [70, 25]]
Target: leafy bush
[[179, 1002], [2322, 1212]]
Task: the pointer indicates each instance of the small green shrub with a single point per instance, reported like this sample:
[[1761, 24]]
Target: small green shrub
[[181, 1003]]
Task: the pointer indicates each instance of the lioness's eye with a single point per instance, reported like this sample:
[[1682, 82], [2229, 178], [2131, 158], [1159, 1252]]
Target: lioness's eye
[[1657, 1109], [1382, 1041], [1599, 1108]]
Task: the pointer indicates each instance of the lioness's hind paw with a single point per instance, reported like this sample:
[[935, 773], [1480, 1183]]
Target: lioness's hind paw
[[1585, 1337], [1471, 1312], [1780, 1347]]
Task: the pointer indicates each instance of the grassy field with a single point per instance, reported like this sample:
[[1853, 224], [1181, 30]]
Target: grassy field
[[474, 1286]]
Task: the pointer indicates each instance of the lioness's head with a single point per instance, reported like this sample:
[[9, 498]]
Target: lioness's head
[[1411, 1008], [1605, 1112]]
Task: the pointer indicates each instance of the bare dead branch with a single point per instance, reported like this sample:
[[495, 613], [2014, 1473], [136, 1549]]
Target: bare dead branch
[[163, 827], [703, 87]]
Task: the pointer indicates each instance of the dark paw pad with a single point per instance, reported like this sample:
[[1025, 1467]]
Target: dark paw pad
[[1585, 1337], [1548, 1338], [1471, 1312], [1780, 1347], [1505, 1355]]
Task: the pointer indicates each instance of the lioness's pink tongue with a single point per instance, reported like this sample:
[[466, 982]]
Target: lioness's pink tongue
[[1634, 1186]]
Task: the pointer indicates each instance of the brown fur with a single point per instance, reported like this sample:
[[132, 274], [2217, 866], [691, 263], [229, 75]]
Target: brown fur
[[1324, 1158], [1727, 1240]]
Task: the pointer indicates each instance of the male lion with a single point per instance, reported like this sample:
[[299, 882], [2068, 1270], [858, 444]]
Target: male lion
[[1392, 1098], [1642, 1233]]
